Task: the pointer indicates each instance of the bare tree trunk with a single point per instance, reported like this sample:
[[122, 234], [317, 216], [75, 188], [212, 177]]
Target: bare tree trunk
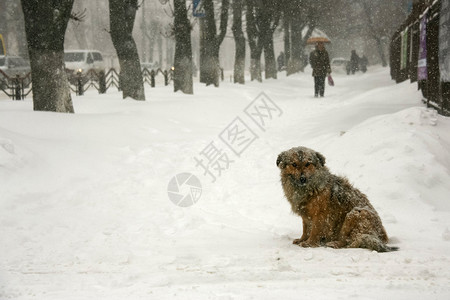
[[210, 42], [209, 63], [150, 33], [183, 50], [287, 36], [300, 17], [269, 58], [144, 36], [294, 64], [254, 42], [239, 39], [203, 43], [209, 66], [122, 15], [160, 51], [270, 17], [373, 33], [45, 25]]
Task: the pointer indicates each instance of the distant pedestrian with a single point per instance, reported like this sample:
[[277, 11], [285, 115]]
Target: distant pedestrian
[[281, 61], [320, 63], [354, 62], [363, 63]]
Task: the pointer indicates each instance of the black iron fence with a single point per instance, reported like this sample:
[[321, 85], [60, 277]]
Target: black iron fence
[[17, 88]]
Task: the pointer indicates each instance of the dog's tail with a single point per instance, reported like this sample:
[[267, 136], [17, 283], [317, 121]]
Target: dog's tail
[[371, 242]]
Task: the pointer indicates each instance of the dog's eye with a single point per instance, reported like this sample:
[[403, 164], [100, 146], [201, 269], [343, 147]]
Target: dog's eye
[[294, 165], [307, 164]]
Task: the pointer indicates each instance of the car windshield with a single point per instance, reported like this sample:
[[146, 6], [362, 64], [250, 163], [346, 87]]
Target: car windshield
[[73, 56]]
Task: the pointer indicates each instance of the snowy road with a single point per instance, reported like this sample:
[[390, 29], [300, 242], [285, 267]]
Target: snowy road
[[85, 214]]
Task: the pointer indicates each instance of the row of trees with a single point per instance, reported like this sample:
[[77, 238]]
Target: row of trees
[[45, 27], [262, 18], [254, 23], [92, 32]]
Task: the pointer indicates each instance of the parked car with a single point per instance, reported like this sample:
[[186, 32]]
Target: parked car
[[82, 61], [13, 66], [339, 64]]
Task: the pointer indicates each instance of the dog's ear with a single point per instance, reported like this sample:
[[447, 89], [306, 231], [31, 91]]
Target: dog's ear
[[279, 159], [321, 158]]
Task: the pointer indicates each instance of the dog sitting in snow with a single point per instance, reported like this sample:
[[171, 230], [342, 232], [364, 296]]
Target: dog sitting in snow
[[334, 213]]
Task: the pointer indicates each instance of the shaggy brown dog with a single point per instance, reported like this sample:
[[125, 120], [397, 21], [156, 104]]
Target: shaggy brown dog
[[334, 213]]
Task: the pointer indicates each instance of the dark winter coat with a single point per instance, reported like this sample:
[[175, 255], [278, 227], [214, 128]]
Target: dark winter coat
[[354, 61], [320, 62]]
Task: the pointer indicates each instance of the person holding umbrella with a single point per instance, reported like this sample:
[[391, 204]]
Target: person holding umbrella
[[320, 63]]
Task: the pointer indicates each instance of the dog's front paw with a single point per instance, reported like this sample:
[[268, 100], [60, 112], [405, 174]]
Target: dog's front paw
[[334, 244], [307, 244], [297, 241]]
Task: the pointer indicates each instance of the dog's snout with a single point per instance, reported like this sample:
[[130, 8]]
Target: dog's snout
[[302, 179]]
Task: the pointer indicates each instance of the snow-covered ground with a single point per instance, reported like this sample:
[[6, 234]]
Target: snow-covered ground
[[85, 213]]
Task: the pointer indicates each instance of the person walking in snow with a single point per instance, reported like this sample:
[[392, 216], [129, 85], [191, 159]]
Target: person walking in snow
[[354, 62], [320, 63], [363, 63]]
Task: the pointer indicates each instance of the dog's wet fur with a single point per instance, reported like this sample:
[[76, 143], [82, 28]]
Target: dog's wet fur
[[334, 213]]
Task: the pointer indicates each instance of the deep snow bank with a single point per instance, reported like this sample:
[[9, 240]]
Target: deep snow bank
[[84, 210]]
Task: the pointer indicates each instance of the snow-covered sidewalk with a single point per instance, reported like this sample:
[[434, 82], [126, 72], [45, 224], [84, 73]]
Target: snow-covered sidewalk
[[85, 213]]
